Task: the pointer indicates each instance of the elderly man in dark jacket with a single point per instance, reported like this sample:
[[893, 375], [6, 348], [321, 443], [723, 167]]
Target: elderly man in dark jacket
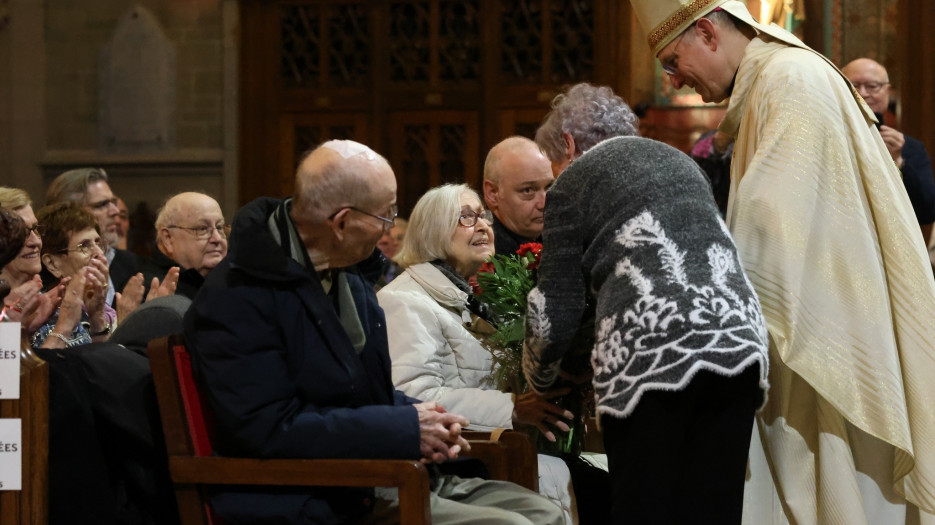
[[289, 341]]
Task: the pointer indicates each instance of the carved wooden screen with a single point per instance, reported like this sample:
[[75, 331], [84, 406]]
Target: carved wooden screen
[[431, 84], [429, 148], [303, 131]]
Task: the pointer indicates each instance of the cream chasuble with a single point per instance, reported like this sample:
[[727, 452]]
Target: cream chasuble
[[827, 235]]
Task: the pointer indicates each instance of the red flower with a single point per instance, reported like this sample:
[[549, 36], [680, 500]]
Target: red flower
[[532, 252], [475, 286], [533, 247], [487, 267]]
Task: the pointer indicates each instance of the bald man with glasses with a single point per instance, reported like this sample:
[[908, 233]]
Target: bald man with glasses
[[872, 82], [192, 235]]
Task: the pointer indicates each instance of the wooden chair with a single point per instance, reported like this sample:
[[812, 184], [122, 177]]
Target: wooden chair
[[522, 464], [508, 455], [30, 506], [188, 443]]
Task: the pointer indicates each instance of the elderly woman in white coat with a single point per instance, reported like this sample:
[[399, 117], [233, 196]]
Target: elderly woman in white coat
[[435, 327]]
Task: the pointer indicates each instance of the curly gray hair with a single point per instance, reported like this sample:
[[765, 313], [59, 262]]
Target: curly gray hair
[[590, 114]]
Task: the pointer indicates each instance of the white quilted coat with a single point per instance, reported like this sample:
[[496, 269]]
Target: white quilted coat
[[437, 357]]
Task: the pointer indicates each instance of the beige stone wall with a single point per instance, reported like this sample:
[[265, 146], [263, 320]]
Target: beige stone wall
[[49, 107], [76, 31]]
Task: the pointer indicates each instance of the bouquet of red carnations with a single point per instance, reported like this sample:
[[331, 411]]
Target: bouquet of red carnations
[[503, 284]]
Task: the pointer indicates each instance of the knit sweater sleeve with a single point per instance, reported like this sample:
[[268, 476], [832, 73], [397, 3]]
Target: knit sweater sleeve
[[557, 303]]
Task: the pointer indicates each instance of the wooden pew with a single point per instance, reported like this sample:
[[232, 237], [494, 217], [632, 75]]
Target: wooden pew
[[30, 505]]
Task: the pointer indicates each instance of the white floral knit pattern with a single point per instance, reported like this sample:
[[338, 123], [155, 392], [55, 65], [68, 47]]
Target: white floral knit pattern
[[637, 349]]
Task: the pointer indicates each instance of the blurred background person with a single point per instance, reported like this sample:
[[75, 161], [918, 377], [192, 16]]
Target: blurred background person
[[191, 236], [25, 303], [123, 224], [12, 237], [873, 83], [389, 245]]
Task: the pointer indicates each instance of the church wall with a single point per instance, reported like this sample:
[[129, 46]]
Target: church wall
[[49, 91], [65, 96]]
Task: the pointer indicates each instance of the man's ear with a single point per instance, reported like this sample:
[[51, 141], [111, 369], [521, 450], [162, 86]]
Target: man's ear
[[491, 194], [339, 223], [569, 146], [707, 32], [51, 264], [165, 240]]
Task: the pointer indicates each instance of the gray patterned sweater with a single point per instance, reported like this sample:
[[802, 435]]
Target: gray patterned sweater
[[632, 226]]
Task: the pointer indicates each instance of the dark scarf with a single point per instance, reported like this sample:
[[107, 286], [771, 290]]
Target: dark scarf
[[474, 306]]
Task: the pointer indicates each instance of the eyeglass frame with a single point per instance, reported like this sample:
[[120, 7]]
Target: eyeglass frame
[[390, 221], [82, 249], [669, 68], [870, 90], [35, 228], [206, 231], [467, 213]]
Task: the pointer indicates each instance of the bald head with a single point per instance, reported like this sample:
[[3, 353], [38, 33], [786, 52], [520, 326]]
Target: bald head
[[501, 157], [190, 230], [341, 173], [872, 82], [516, 177], [345, 196]]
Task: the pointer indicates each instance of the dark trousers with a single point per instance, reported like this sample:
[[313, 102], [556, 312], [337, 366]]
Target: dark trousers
[[680, 457]]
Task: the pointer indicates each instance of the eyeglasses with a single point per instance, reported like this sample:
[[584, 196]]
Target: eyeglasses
[[390, 221], [469, 217], [85, 248], [871, 88], [100, 205], [671, 64], [35, 228], [205, 232]]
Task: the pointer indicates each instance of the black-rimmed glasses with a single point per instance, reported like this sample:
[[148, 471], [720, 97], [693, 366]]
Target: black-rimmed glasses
[[35, 228], [205, 232], [468, 217]]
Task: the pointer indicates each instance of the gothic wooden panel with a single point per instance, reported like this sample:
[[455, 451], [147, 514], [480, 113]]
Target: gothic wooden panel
[[459, 41], [572, 43], [304, 131], [417, 78], [523, 122], [410, 42], [434, 42], [521, 42], [429, 148], [325, 45]]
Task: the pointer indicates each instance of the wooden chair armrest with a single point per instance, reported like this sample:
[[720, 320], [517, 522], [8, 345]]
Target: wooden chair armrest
[[495, 457], [410, 476], [298, 472], [521, 459]]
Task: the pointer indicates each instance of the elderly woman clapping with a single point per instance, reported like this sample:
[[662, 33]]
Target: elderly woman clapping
[[25, 303], [71, 254], [435, 326]]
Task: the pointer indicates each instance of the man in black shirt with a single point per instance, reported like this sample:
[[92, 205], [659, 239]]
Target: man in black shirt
[[516, 178]]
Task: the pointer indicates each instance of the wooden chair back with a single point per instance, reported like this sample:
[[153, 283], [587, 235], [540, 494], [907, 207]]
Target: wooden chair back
[[188, 434]]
